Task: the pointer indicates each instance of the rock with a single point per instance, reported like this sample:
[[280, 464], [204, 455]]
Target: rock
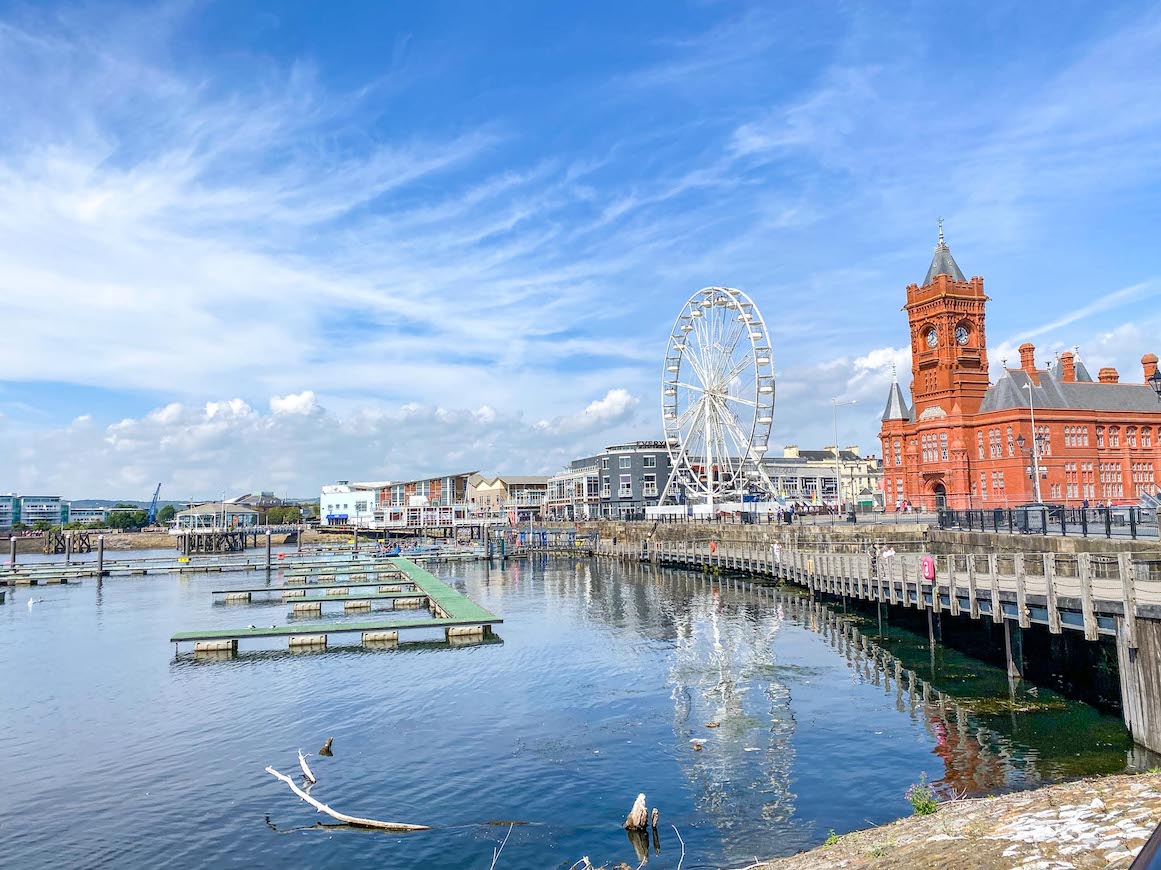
[[1097, 804], [326, 750]]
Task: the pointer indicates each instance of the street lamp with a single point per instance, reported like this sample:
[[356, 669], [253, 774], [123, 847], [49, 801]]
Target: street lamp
[[1155, 382], [1034, 450], [838, 474]]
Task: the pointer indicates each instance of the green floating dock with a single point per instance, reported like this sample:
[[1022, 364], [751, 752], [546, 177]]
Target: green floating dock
[[300, 587], [459, 616]]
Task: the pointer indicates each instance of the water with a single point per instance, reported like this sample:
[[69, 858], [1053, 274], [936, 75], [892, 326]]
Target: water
[[115, 753]]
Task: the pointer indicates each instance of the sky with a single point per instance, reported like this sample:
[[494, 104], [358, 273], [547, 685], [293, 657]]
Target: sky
[[268, 245]]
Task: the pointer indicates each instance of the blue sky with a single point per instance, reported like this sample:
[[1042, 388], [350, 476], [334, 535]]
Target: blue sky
[[265, 245]]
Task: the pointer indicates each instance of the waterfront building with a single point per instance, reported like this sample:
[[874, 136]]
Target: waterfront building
[[809, 476], [89, 515], [574, 494], [346, 503], [631, 477], [965, 442], [51, 509], [516, 498], [216, 515], [440, 500], [9, 510]]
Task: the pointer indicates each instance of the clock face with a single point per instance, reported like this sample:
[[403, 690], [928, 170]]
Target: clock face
[[961, 335], [932, 338]]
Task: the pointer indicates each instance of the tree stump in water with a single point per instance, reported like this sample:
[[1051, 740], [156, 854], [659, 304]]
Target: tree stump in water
[[638, 818]]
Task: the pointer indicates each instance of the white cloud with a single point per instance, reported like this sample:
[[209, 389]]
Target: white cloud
[[298, 445], [298, 403]]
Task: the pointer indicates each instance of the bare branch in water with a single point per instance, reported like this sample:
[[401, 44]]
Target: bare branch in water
[[682, 858], [496, 852], [334, 814]]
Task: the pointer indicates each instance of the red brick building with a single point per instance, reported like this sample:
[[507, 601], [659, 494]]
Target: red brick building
[[959, 442]]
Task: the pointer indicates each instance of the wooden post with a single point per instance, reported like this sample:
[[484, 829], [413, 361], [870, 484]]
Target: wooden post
[[1054, 625], [973, 604], [68, 536], [1084, 569], [268, 550], [952, 588], [12, 550], [1021, 602], [100, 556], [994, 579], [1129, 597]]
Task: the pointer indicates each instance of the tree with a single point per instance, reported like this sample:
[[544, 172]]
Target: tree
[[41, 525], [166, 514], [20, 527]]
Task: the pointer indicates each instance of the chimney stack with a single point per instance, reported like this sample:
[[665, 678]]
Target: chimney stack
[[1149, 364], [1068, 367], [1108, 375], [1028, 356]]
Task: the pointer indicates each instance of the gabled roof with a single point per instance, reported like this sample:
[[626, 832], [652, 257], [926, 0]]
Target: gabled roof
[[828, 455], [897, 407], [1009, 392], [1082, 374], [942, 262]]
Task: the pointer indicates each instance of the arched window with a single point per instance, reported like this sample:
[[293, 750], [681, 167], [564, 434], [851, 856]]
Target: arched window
[[1011, 443], [1114, 436], [980, 443], [1146, 436], [1131, 436], [1084, 436], [943, 446], [1100, 435]]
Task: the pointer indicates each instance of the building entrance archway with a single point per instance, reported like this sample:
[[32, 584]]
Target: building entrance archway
[[940, 492]]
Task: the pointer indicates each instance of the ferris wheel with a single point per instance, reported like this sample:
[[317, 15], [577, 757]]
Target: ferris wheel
[[717, 397]]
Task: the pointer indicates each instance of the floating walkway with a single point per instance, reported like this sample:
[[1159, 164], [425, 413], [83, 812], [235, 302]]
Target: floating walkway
[[461, 619]]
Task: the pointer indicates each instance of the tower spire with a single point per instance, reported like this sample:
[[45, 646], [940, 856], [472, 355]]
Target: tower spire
[[941, 243]]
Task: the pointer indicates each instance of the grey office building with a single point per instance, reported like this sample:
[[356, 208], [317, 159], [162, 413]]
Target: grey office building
[[632, 477]]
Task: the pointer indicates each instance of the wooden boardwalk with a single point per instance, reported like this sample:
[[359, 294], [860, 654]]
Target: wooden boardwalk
[[1081, 592], [457, 615]]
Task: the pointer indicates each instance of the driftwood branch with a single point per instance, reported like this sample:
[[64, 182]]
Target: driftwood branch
[[305, 770], [342, 817], [496, 852], [682, 858]]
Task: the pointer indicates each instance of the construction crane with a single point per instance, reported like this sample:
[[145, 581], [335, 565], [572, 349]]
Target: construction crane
[[153, 505]]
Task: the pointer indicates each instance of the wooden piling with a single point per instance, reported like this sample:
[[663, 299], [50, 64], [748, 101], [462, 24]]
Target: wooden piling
[[1054, 625], [1088, 611], [100, 556], [1129, 599]]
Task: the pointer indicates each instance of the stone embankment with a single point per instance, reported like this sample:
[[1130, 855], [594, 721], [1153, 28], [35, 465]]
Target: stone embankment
[[1085, 824], [903, 536]]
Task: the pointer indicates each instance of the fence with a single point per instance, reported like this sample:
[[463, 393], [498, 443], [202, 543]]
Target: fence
[[1117, 522]]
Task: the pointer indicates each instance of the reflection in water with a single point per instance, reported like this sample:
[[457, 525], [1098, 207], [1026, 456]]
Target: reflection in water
[[605, 674]]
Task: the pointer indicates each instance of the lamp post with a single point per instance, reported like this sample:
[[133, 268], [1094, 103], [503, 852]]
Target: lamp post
[[1035, 447], [1155, 382], [838, 473]]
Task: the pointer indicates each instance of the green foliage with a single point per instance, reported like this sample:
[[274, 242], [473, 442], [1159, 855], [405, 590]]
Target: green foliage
[[166, 514], [879, 851], [924, 801], [133, 519], [41, 525], [831, 838], [1153, 770], [20, 527]]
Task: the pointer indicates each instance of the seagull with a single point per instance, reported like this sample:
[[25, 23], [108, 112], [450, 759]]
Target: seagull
[[32, 601], [251, 626]]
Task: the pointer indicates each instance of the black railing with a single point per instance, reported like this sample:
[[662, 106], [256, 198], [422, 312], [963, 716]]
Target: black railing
[[1115, 522]]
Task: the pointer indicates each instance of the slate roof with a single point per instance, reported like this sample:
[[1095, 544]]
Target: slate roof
[[942, 263], [1081, 372], [828, 455], [1009, 392], [897, 407]]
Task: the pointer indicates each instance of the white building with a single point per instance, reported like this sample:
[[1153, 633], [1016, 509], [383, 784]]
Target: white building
[[43, 508], [217, 515], [89, 515], [348, 504], [574, 494]]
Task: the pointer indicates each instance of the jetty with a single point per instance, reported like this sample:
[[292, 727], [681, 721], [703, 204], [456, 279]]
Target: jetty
[[460, 618]]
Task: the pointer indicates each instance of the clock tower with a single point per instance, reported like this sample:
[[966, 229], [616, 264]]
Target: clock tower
[[949, 357]]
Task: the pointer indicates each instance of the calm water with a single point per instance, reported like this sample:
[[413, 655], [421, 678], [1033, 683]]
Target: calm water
[[115, 753]]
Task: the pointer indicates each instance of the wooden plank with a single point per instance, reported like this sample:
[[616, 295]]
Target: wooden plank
[[1088, 612], [973, 602], [1021, 602], [1050, 595], [952, 586], [326, 628], [994, 581], [1129, 597], [299, 587]]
